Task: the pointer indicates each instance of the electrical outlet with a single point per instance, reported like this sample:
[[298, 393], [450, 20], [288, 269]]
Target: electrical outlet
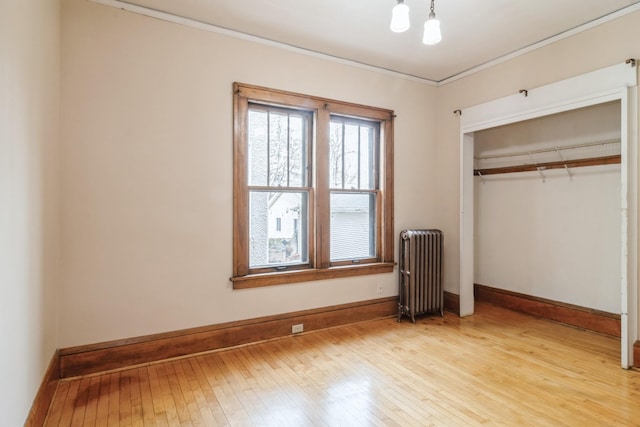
[[296, 329], [379, 288]]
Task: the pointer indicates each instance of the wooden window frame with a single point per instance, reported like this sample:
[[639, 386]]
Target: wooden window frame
[[320, 265]]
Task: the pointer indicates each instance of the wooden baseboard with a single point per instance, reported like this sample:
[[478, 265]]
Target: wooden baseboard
[[586, 318], [100, 357], [452, 303], [47, 389], [636, 354]]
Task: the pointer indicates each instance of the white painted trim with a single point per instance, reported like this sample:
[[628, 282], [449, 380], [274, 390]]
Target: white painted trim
[[618, 82], [625, 360], [560, 96], [629, 230], [466, 226], [176, 19]]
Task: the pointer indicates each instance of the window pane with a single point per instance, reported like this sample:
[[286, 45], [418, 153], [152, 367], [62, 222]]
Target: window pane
[[367, 161], [351, 154], [353, 161], [353, 225], [278, 150], [335, 155], [257, 147], [297, 152], [277, 228]]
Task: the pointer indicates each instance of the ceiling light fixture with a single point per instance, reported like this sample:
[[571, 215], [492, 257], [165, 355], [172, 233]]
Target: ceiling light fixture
[[432, 33], [400, 23], [400, 17]]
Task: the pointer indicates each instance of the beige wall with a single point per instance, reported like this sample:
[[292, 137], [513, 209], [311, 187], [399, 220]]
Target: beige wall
[[29, 80], [558, 240], [146, 163], [596, 48], [144, 181], [146, 168]]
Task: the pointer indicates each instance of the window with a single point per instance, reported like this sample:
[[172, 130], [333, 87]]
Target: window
[[352, 185], [277, 144], [313, 188]]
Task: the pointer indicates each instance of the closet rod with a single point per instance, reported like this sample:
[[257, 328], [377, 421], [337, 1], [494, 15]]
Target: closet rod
[[594, 161], [550, 150]]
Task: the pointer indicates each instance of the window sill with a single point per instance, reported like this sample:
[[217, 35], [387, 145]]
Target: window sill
[[296, 276]]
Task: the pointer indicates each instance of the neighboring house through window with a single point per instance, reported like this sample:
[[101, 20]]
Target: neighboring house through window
[[313, 188]]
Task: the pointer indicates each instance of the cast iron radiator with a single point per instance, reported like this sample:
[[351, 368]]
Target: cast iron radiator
[[420, 273]]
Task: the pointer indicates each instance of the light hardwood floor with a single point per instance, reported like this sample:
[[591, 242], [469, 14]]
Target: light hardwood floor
[[497, 367]]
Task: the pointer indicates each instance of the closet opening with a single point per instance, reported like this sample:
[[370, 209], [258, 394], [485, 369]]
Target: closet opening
[[548, 204], [547, 208]]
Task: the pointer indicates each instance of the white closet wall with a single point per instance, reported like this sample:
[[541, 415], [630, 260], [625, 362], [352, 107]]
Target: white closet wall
[[558, 239]]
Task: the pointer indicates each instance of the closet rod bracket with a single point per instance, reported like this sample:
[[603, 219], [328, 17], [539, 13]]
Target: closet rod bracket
[[539, 168], [566, 167], [542, 175]]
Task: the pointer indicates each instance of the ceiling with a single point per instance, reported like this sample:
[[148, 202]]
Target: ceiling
[[474, 32]]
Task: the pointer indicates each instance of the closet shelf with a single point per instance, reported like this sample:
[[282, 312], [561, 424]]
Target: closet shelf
[[550, 150], [594, 161], [582, 157]]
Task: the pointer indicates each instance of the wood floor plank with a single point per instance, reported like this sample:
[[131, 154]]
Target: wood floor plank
[[57, 404], [70, 404], [290, 379], [159, 414], [146, 397], [210, 404], [102, 411], [223, 390], [125, 405], [199, 403], [93, 395], [497, 367], [185, 379], [135, 396], [270, 391], [176, 391], [244, 389], [169, 404], [81, 402], [113, 414]]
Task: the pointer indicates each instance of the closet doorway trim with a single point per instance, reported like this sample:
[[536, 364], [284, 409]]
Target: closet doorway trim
[[617, 82]]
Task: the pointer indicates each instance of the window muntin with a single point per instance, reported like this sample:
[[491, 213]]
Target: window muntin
[[282, 153]]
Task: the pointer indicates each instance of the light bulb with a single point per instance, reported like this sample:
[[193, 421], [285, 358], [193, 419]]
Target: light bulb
[[400, 18], [432, 31]]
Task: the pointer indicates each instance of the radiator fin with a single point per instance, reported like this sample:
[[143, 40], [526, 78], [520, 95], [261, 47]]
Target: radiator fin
[[421, 289]]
